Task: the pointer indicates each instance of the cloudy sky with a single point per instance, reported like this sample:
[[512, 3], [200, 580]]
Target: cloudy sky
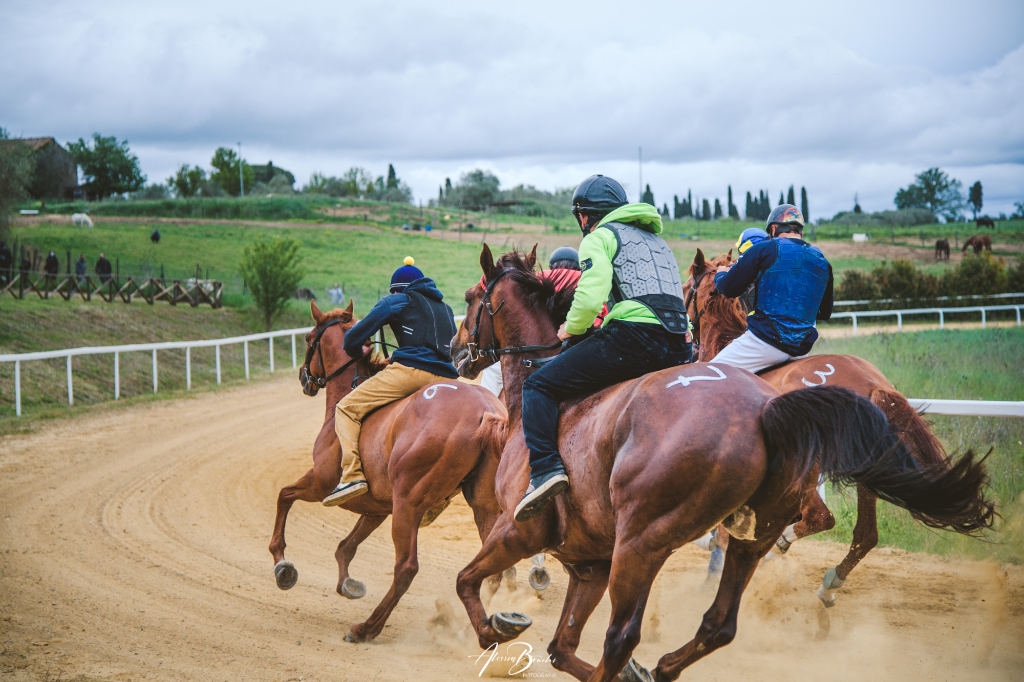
[[842, 98]]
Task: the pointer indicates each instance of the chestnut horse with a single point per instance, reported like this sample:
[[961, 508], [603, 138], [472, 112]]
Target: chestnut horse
[[978, 242], [417, 454], [657, 461], [718, 320]]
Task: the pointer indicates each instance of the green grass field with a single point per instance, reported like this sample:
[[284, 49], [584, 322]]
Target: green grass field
[[972, 364]]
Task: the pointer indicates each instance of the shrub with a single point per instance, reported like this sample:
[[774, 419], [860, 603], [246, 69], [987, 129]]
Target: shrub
[[902, 281], [272, 271], [857, 286], [976, 274]]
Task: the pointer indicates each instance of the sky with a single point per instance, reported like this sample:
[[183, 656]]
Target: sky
[[846, 99]]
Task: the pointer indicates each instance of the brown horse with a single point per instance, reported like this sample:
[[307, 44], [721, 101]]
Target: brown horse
[[978, 242], [941, 249], [655, 462], [417, 454], [985, 221], [718, 320]]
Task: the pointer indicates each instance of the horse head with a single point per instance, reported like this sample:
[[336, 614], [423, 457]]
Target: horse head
[[716, 320], [324, 351]]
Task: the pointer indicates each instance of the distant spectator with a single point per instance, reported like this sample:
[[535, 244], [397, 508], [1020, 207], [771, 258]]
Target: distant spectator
[[6, 263], [103, 269], [52, 265], [80, 270], [337, 295], [155, 237]]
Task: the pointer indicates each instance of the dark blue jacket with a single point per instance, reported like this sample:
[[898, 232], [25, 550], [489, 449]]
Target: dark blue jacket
[[388, 311], [792, 287]]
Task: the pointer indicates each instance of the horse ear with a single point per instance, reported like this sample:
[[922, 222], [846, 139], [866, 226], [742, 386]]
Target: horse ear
[[317, 314], [531, 258], [487, 262], [728, 256], [698, 263], [347, 314]]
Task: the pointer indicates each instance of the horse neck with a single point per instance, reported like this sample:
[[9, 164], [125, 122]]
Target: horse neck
[[719, 331], [527, 330], [341, 385]]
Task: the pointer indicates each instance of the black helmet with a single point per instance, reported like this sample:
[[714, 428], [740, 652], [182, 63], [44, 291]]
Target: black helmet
[[598, 194], [564, 257]]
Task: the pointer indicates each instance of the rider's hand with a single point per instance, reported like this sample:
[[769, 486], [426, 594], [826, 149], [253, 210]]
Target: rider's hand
[[562, 334], [725, 268]]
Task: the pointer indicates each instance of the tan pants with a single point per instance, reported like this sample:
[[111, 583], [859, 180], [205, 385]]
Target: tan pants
[[394, 383]]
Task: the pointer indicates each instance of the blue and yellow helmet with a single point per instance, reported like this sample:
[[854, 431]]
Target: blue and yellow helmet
[[749, 237]]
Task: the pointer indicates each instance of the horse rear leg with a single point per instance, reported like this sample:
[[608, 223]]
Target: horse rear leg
[[405, 524], [865, 537], [347, 587], [304, 489], [587, 583]]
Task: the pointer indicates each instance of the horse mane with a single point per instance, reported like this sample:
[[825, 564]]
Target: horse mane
[[377, 361], [727, 317], [540, 293]]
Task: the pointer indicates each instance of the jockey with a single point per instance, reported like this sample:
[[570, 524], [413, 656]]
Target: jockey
[[749, 237], [646, 329], [792, 288], [423, 326]]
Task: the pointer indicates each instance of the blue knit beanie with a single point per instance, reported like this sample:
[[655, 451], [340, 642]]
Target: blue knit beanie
[[405, 274]]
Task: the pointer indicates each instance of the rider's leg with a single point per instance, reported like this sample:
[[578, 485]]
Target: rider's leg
[[394, 383], [617, 352], [750, 353]]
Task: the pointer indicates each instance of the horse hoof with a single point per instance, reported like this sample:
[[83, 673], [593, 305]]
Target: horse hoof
[[351, 639], [634, 672], [539, 579], [510, 624], [286, 575], [826, 596], [352, 589]]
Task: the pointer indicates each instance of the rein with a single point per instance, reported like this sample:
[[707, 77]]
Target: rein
[[493, 352], [305, 377], [698, 312]]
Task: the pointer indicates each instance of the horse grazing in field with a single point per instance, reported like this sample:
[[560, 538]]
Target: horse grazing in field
[[942, 249], [718, 320], [655, 462], [978, 242], [985, 221], [418, 453]]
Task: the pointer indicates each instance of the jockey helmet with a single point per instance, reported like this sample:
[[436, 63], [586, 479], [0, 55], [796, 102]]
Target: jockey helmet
[[596, 196], [564, 257], [405, 275], [786, 214], [749, 237]]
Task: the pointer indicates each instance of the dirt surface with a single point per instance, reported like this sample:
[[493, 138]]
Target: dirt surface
[[22, 221], [133, 544]]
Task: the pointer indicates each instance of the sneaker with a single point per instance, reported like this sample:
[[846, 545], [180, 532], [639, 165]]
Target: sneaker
[[345, 492], [540, 492]]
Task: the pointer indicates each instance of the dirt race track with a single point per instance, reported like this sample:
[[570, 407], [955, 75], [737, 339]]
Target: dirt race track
[[133, 544]]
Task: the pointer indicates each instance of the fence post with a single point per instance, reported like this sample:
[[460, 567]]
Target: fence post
[[188, 368], [17, 388], [942, 320], [245, 350], [271, 339], [1017, 309], [117, 375], [982, 318], [71, 392], [217, 349], [854, 315], [293, 339], [154, 371], [899, 322]]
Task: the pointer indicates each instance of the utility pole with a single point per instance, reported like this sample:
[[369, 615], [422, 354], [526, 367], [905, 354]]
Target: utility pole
[[241, 182], [640, 191]]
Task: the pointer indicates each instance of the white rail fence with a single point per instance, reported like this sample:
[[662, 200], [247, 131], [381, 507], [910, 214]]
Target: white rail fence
[[941, 312], [981, 408], [939, 298]]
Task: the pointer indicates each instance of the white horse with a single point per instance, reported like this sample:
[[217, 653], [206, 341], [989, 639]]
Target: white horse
[[81, 220]]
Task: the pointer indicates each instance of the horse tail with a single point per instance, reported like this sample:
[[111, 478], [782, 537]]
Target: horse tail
[[852, 441], [910, 426], [492, 434]]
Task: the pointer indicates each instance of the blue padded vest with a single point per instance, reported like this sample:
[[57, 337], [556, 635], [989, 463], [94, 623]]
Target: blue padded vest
[[790, 292]]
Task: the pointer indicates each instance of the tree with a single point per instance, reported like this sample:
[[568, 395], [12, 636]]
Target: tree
[[475, 190], [648, 197], [750, 212], [392, 182], [974, 198], [935, 190], [15, 177], [803, 204], [733, 211], [705, 210], [664, 211], [317, 183], [447, 187], [187, 181], [782, 200], [791, 197], [225, 161], [856, 204], [718, 209], [109, 166], [272, 271]]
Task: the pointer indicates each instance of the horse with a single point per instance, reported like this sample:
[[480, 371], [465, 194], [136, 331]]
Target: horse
[[418, 453], [718, 320], [979, 242], [304, 294], [942, 249], [657, 461], [985, 221], [81, 220]]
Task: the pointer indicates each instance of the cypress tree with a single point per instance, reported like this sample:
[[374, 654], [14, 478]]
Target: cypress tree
[[803, 204], [718, 209], [749, 212], [392, 178], [648, 197], [782, 199], [440, 195], [447, 187], [705, 210], [791, 198], [664, 211], [689, 203]]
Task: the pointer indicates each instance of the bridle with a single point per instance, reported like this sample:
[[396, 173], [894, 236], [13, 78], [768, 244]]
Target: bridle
[[306, 377], [698, 312], [493, 352]]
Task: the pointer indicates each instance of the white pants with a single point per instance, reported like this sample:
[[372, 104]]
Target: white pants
[[752, 354], [490, 378]]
